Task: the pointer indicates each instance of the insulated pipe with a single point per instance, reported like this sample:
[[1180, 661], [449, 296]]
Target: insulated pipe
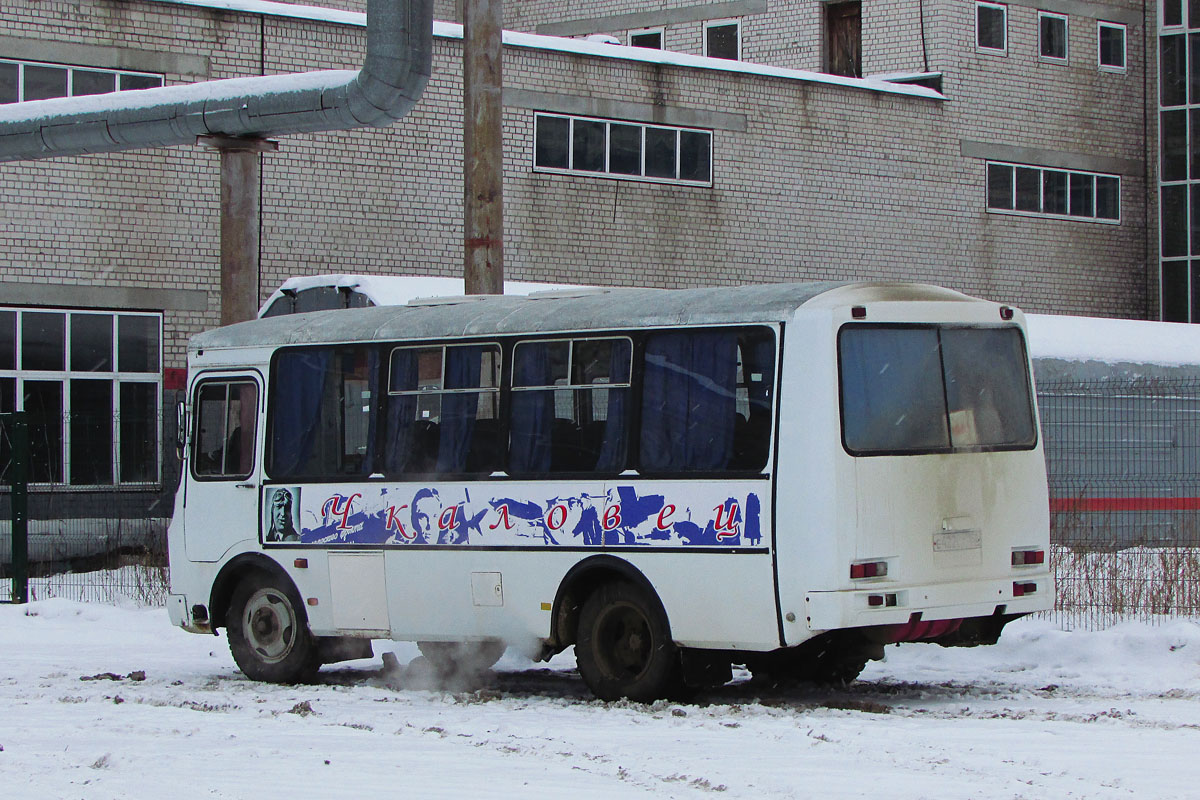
[[394, 73]]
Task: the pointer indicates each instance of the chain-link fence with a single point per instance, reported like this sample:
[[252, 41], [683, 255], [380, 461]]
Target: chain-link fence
[[1123, 457]]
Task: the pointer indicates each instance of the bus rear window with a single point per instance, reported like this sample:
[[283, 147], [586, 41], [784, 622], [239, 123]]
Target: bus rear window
[[910, 389]]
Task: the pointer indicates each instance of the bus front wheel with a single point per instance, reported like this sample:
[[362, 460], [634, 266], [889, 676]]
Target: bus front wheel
[[268, 632], [623, 647]]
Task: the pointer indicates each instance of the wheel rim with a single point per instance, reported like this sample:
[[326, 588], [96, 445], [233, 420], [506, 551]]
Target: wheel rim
[[269, 625], [625, 642]]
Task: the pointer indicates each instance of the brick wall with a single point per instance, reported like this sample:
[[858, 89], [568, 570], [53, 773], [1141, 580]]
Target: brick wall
[[824, 182]]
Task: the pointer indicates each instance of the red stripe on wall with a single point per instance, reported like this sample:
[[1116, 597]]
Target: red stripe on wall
[[174, 378], [1067, 504]]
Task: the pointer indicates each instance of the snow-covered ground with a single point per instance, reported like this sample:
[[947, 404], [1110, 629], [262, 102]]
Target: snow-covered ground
[[1044, 714]]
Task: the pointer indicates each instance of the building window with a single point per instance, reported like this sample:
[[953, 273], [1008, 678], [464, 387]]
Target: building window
[[1172, 13], [647, 37], [1111, 46], [26, 80], [1043, 191], [843, 39], [723, 39], [91, 382], [991, 27], [1052, 36], [624, 150], [1179, 162]]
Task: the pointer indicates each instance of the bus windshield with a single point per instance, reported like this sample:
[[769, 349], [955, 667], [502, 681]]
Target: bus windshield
[[909, 389]]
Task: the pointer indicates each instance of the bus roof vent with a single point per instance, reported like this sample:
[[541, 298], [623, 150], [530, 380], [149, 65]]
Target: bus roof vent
[[447, 300], [561, 294]]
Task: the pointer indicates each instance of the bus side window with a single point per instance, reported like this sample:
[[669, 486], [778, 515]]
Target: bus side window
[[570, 405], [323, 409], [443, 409], [755, 390], [706, 400], [223, 443]]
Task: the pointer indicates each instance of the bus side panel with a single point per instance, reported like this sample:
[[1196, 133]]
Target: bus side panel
[[814, 483], [714, 600]]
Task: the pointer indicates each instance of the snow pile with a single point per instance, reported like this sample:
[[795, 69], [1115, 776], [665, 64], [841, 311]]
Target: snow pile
[[104, 702]]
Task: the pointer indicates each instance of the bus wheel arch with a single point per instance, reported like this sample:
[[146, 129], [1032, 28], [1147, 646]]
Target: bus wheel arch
[[623, 645], [580, 582], [233, 574]]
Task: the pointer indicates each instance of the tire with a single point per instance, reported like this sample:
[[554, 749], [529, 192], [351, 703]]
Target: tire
[[451, 659], [268, 631], [623, 646]]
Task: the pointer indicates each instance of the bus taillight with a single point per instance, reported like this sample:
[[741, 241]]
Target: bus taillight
[[868, 569], [1024, 558], [1022, 589]]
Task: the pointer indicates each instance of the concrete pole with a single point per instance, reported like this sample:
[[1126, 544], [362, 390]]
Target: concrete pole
[[241, 170], [483, 156]]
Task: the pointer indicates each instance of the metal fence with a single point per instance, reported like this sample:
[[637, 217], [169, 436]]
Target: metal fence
[[83, 542], [1123, 460]]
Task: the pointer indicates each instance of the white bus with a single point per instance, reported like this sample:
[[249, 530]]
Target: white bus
[[673, 481]]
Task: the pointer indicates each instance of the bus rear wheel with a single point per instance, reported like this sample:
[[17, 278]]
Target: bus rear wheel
[[623, 647], [268, 632]]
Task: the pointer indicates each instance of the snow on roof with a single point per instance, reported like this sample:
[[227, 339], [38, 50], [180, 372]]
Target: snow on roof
[[450, 30], [1113, 340], [397, 290]]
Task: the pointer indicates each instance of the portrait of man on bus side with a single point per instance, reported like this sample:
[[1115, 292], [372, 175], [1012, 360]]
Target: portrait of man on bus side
[[282, 523], [426, 509]]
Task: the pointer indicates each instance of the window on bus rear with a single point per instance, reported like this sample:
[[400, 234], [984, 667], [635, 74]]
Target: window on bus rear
[[911, 389]]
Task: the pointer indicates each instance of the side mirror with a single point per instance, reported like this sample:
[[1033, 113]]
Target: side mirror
[[180, 429]]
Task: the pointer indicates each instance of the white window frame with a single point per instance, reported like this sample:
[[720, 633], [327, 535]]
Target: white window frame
[[1121, 26], [1066, 22], [70, 69], [721, 23], [605, 173], [1041, 193], [1001, 51], [113, 376], [662, 36]]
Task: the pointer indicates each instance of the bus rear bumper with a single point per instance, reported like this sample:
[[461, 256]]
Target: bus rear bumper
[[884, 604]]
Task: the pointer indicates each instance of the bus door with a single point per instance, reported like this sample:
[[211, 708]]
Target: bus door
[[221, 498]]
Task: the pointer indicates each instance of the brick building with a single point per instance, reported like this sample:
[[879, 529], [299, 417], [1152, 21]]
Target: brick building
[[732, 155]]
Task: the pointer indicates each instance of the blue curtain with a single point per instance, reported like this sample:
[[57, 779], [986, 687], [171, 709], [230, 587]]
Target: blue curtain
[[689, 401], [613, 448], [400, 430], [532, 411], [296, 411], [459, 410]]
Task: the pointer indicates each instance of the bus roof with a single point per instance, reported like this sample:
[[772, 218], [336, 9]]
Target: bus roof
[[567, 310]]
